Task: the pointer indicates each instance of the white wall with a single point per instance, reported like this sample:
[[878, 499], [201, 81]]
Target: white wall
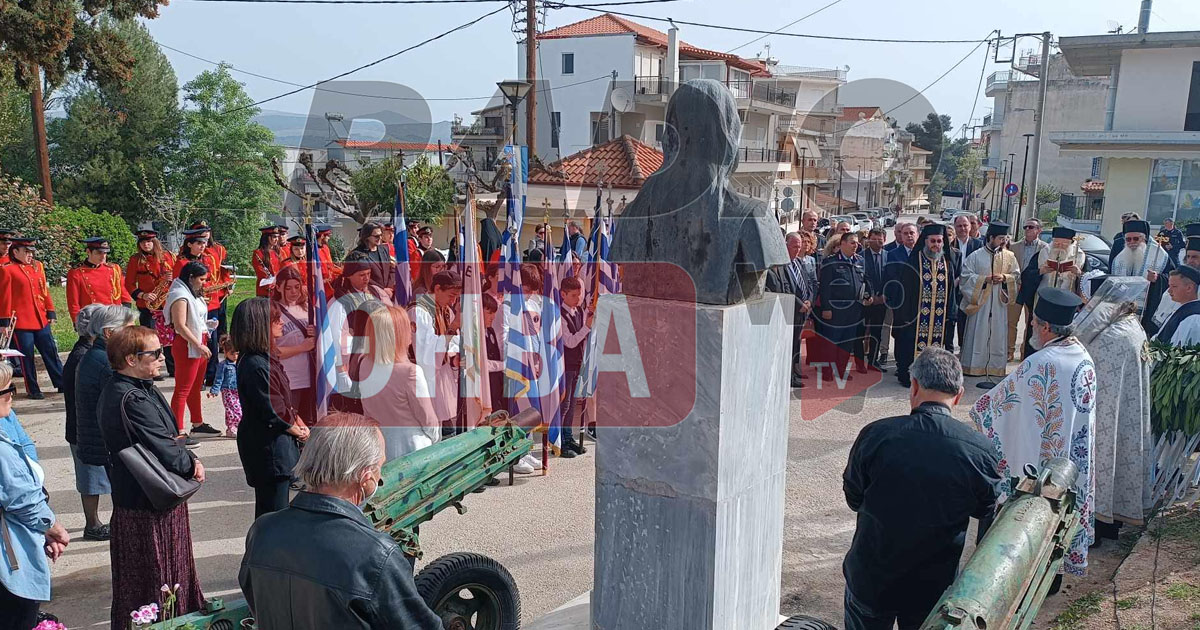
[[1126, 189], [594, 56], [1153, 90]]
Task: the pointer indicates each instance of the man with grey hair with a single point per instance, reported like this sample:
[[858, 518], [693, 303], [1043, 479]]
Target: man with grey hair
[[1045, 409], [912, 520], [319, 563]]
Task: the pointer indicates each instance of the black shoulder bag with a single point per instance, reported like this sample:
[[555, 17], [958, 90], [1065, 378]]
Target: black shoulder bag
[[164, 488]]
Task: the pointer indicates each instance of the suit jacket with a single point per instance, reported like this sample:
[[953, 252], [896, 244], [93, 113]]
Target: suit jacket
[[896, 259], [890, 246], [792, 281], [1018, 250], [874, 271]]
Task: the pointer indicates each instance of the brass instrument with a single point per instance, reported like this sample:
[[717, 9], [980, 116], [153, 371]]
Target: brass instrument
[[227, 281], [160, 292], [6, 338]]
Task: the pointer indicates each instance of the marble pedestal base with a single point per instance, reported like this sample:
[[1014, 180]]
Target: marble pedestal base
[[689, 517], [577, 615]]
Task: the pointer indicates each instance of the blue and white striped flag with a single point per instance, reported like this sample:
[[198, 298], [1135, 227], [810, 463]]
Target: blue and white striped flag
[[404, 289], [550, 382], [604, 280], [325, 352]]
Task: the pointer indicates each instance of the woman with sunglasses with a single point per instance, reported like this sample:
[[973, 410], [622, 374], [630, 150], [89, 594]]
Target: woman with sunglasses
[[149, 547], [29, 532], [187, 312]]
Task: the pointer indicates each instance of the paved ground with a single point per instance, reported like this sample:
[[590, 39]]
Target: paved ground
[[541, 529]]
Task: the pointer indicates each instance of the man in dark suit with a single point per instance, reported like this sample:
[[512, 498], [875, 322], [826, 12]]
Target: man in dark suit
[[895, 238], [906, 238], [791, 279], [961, 246], [874, 309]]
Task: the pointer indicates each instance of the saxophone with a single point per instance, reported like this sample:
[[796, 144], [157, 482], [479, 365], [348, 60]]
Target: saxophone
[[160, 290]]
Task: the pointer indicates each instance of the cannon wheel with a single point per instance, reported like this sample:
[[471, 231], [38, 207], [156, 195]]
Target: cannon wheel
[[470, 591], [804, 622]]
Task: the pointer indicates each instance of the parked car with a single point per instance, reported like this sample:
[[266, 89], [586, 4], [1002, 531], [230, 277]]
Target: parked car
[[884, 217], [949, 213], [1094, 246], [864, 221]]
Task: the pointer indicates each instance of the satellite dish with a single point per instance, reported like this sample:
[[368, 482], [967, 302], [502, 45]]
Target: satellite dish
[[621, 100]]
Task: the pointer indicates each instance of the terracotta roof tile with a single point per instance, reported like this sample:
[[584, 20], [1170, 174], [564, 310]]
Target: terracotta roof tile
[[624, 163], [609, 24], [1093, 185], [850, 114]]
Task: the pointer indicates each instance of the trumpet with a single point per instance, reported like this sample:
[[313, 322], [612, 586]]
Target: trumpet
[[6, 338]]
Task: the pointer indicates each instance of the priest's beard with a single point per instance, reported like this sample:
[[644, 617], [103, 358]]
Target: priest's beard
[[1035, 341], [932, 255]]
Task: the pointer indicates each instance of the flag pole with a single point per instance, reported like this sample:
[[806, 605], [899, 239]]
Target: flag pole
[[310, 237], [548, 246], [460, 416]]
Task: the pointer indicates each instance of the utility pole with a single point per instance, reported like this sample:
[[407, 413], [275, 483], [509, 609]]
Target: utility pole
[[40, 147], [1037, 124], [1012, 169], [531, 76], [1025, 164], [803, 196]]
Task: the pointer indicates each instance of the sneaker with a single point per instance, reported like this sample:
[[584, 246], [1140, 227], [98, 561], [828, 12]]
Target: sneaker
[[566, 453], [522, 468], [591, 431], [189, 442], [535, 462], [204, 429], [101, 533], [231, 433], [574, 446]]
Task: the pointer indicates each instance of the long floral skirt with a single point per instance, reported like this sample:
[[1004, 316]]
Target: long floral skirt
[[150, 549]]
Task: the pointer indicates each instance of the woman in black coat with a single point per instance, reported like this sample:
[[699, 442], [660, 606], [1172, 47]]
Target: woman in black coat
[[149, 548], [267, 436], [92, 376], [90, 481]]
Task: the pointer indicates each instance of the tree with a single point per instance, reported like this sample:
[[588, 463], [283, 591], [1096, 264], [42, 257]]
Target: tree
[[1048, 194], [58, 38], [930, 135], [430, 189], [20, 205], [87, 223], [112, 135], [223, 172]]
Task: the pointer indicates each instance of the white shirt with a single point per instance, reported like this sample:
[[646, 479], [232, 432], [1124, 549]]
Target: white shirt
[[1188, 332]]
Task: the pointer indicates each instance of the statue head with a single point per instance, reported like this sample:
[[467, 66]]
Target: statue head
[[703, 128]]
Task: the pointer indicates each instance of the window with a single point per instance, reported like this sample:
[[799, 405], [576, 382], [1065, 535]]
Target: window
[[1174, 191], [568, 63], [659, 130], [491, 154], [1191, 121], [555, 125]]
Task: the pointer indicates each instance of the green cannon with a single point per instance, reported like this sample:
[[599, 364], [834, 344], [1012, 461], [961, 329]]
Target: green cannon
[[468, 591], [1003, 585]]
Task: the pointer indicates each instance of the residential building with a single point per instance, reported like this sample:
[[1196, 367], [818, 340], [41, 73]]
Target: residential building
[[919, 170], [1072, 102], [1148, 152], [568, 187], [865, 141], [484, 139], [785, 110]]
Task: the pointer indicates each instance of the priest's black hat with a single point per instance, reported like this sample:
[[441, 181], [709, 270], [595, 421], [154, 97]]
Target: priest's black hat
[[1193, 244], [1063, 232], [1056, 306], [1192, 229], [998, 228], [1137, 225], [933, 229], [1191, 273]]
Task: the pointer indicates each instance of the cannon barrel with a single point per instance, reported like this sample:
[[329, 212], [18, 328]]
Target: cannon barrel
[[1006, 580]]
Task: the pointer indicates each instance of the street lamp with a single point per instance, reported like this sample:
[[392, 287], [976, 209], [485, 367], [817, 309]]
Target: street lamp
[[515, 92], [1012, 165], [838, 162], [1021, 194]]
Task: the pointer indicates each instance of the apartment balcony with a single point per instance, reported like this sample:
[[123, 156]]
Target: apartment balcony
[[760, 94], [650, 88], [476, 130], [763, 160], [991, 122], [997, 82], [1030, 64]]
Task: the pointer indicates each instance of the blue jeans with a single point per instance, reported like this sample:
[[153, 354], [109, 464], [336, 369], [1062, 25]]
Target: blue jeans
[[42, 341]]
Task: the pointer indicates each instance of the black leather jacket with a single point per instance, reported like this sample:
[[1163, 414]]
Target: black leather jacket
[[91, 377], [319, 564]]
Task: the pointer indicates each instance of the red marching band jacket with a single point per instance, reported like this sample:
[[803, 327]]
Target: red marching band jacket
[[266, 265], [89, 284], [144, 273], [28, 296]]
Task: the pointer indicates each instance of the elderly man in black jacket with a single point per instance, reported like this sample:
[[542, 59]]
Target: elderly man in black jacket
[[792, 279], [319, 564], [914, 481]]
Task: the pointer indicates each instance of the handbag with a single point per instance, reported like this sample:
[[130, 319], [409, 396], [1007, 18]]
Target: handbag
[[164, 488]]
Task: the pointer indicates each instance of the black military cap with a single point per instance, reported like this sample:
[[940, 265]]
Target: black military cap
[[96, 242]]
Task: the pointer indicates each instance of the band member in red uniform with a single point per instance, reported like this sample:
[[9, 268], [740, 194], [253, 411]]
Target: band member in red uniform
[[30, 296], [147, 278], [297, 256], [330, 270], [265, 260], [96, 281], [5, 303], [5, 242], [389, 238]]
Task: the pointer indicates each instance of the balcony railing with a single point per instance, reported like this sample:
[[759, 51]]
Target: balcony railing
[[1081, 208], [762, 92], [998, 78], [476, 130], [649, 85], [763, 156]]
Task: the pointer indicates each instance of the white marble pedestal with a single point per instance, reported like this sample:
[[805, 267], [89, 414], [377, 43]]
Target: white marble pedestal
[[689, 517]]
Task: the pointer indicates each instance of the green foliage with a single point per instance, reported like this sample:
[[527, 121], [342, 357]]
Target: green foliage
[[223, 171], [1047, 194], [85, 223], [430, 189], [21, 208], [1127, 603], [1175, 388], [1183, 591], [16, 127], [1077, 611], [112, 134]]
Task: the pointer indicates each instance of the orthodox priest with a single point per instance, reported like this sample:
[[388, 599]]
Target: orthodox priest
[[1123, 455], [922, 299], [1144, 259], [1044, 410], [988, 285]]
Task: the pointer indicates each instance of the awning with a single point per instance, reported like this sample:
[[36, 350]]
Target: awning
[[804, 142], [1148, 145], [917, 202]]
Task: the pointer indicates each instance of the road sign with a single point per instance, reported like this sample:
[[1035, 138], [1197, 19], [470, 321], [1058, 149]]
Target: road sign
[[787, 205], [1011, 189]]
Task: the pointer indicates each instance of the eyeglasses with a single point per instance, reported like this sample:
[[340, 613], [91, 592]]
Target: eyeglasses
[[156, 353], [1031, 227], [11, 389]]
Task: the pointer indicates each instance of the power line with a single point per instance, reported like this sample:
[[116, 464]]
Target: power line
[[785, 26], [592, 7], [979, 88], [379, 96], [377, 61], [943, 76], [601, 4]]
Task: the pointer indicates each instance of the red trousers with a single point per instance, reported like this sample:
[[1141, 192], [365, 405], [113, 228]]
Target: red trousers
[[189, 383]]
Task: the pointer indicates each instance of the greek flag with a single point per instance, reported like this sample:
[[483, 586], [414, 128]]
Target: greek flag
[[325, 352], [553, 373], [604, 280], [404, 288]]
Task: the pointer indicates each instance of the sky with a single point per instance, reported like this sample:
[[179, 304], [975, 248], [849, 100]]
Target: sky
[[306, 43]]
